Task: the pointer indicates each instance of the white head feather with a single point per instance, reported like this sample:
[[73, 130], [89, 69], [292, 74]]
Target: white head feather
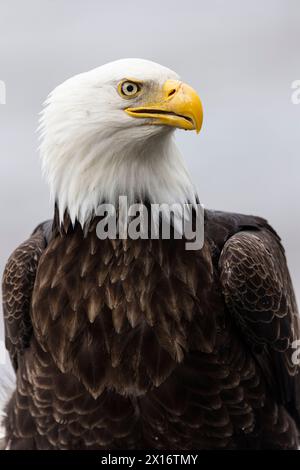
[[93, 152]]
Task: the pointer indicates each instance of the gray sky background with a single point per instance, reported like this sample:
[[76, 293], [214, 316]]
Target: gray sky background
[[241, 56]]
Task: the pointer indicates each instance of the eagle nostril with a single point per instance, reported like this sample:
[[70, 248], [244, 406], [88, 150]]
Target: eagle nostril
[[172, 92]]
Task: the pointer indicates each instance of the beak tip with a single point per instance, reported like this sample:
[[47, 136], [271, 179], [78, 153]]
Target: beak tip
[[198, 127]]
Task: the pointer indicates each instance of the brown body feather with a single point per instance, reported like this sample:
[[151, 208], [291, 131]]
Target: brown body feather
[[142, 344]]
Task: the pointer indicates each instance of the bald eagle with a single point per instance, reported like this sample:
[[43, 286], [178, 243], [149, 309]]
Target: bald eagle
[[140, 343]]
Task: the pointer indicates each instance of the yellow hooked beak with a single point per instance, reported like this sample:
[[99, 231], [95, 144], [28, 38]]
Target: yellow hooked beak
[[178, 106]]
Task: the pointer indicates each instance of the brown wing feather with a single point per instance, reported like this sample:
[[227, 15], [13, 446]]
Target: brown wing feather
[[17, 285], [259, 293]]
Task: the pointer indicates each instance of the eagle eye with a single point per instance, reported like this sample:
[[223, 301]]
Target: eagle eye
[[129, 89]]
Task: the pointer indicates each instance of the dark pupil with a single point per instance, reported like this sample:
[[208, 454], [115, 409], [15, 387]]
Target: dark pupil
[[130, 88]]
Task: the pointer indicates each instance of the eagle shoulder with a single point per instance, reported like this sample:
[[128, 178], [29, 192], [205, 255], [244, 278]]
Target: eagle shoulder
[[17, 285], [259, 295]]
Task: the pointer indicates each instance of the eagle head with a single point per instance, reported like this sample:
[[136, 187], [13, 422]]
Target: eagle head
[[108, 132]]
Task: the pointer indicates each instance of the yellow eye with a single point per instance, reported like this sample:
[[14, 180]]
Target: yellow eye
[[129, 89]]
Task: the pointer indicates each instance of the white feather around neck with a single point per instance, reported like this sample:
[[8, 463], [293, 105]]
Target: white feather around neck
[[93, 152]]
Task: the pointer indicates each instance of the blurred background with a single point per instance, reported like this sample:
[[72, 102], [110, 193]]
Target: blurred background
[[241, 56]]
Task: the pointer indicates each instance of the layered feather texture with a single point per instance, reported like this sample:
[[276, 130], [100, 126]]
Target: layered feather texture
[[134, 346], [106, 304]]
